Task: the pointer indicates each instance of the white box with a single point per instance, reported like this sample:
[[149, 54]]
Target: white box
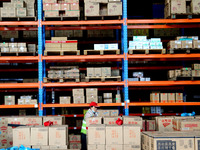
[[99, 46], [111, 46], [139, 38]]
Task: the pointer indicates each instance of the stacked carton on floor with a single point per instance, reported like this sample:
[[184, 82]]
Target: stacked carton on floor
[[75, 141]]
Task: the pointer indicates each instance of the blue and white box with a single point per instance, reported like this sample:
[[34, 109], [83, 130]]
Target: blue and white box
[[99, 46]]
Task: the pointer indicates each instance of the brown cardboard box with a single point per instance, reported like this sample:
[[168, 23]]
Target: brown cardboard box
[[154, 97], [21, 12], [20, 101], [33, 101], [132, 136], [93, 120], [90, 72], [108, 100], [174, 44], [151, 125], [177, 73], [196, 44], [79, 99], [16, 120], [76, 146], [9, 100], [58, 135], [103, 113], [46, 6], [91, 98], [106, 71], [57, 120], [78, 92], [65, 99], [91, 91], [164, 124], [58, 38], [195, 66], [53, 45], [72, 13], [97, 134], [129, 120], [114, 147], [96, 147], [51, 13], [114, 135], [115, 9], [195, 73], [97, 72], [107, 95], [187, 44], [195, 7], [55, 6], [92, 9], [178, 7], [39, 135], [163, 97], [171, 97], [65, 6], [74, 138], [118, 98], [33, 121], [21, 136], [179, 97], [49, 1], [114, 113], [74, 6], [110, 120]]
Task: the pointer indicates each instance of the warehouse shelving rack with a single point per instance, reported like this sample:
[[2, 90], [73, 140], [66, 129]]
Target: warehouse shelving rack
[[124, 85]]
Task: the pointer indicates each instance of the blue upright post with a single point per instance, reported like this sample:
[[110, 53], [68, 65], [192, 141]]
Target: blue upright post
[[125, 62], [40, 64]]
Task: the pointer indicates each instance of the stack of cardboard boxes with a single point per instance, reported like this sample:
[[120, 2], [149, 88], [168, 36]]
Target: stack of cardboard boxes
[[101, 72], [157, 97], [65, 8], [61, 44], [23, 100], [196, 70], [103, 8], [108, 113], [141, 42], [107, 97], [18, 8], [184, 42], [75, 141], [78, 96], [91, 95], [173, 7]]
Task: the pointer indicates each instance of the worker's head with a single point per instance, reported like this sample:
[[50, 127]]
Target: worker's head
[[93, 106]]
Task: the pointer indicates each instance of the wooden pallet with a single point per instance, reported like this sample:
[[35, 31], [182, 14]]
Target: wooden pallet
[[147, 51], [183, 51], [184, 78], [103, 17], [116, 78], [60, 18], [183, 16], [17, 53], [47, 80], [50, 53], [27, 18], [101, 52]]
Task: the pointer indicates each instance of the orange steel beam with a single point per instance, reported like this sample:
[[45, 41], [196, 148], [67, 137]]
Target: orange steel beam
[[17, 106], [7, 59], [84, 84], [163, 26], [18, 85], [162, 83], [164, 104], [18, 70], [88, 22], [84, 58], [84, 28], [147, 21], [20, 23]]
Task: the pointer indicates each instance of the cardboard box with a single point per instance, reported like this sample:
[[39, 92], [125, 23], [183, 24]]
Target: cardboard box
[[195, 7], [65, 6], [74, 6], [96, 134], [118, 98], [129, 120], [46, 6], [114, 135], [195, 73], [21, 12], [110, 120], [115, 9], [164, 124], [92, 9], [58, 135], [74, 138], [65, 100], [96, 147], [196, 44], [187, 44], [174, 44], [91, 98], [90, 72], [195, 66], [72, 13], [103, 113], [106, 71], [79, 99], [171, 97], [49, 1], [91, 91], [33, 102], [9, 100], [78, 92], [21, 136], [114, 113], [57, 120], [58, 38], [179, 97], [163, 98], [39, 135], [155, 97], [97, 72], [51, 13], [114, 147], [107, 95], [108, 100], [178, 7], [33, 121], [93, 120], [151, 125], [20, 101], [55, 6], [132, 136], [76, 146]]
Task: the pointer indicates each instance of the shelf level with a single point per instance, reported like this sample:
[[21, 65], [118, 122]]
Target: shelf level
[[18, 59], [162, 83], [19, 23], [164, 104], [147, 21], [18, 85], [17, 106]]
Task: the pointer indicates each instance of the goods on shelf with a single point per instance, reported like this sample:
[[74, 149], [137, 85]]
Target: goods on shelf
[[64, 8], [139, 76], [92, 95], [157, 97], [108, 113], [107, 97], [157, 110], [18, 8], [176, 7], [78, 96], [186, 124], [95, 8], [150, 125], [57, 120], [26, 100]]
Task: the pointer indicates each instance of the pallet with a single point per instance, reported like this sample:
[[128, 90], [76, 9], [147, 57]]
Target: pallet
[[147, 51], [61, 18], [17, 53], [47, 80], [184, 78], [103, 17], [183, 51], [50, 53], [183, 16], [102, 79], [27, 18], [101, 52]]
